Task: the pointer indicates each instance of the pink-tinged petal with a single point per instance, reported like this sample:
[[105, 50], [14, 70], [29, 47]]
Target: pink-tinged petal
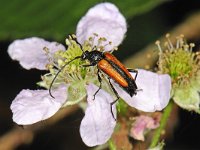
[[141, 124], [31, 106], [98, 123], [30, 54], [153, 91], [105, 20]]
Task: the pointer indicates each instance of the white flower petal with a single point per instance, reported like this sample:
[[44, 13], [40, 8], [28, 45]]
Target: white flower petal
[[105, 20], [153, 93], [98, 123], [30, 54], [31, 106]]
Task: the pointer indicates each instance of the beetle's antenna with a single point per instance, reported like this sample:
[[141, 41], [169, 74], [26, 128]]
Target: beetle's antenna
[[59, 73], [75, 39]]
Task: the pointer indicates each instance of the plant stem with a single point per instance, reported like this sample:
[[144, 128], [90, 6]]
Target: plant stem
[[163, 123]]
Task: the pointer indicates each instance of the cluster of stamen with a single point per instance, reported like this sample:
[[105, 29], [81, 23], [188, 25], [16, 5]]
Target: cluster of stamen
[[179, 60], [70, 69]]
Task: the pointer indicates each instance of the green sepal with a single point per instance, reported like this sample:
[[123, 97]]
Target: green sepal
[[46, 81], [188, 97], [76, 93]]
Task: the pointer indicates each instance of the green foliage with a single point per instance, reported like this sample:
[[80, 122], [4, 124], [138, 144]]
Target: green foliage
[[111, 145], [122, 107], [55, 19]]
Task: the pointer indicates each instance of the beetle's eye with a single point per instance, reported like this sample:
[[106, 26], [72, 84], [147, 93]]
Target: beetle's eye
[[83, 56]]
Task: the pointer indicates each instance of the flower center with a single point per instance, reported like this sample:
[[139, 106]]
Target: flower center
[[66, 68], [179, 61]]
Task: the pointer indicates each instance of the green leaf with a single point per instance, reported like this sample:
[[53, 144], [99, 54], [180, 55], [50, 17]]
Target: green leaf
[[55, 19]]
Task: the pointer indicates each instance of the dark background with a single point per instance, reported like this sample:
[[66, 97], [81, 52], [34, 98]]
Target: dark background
[[143, 29]]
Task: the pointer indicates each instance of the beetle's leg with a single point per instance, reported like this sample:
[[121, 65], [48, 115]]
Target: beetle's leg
[[89, 65], [117, 95], [99, 78], [134, 71]]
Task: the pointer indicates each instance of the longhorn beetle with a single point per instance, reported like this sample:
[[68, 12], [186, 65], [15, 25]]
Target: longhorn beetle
[[111, 66]]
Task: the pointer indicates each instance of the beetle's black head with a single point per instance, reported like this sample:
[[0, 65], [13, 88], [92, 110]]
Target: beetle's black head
[[85, 55], [94, 56]]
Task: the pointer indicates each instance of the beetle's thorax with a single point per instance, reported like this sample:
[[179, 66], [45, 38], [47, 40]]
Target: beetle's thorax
[[94, 56]]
